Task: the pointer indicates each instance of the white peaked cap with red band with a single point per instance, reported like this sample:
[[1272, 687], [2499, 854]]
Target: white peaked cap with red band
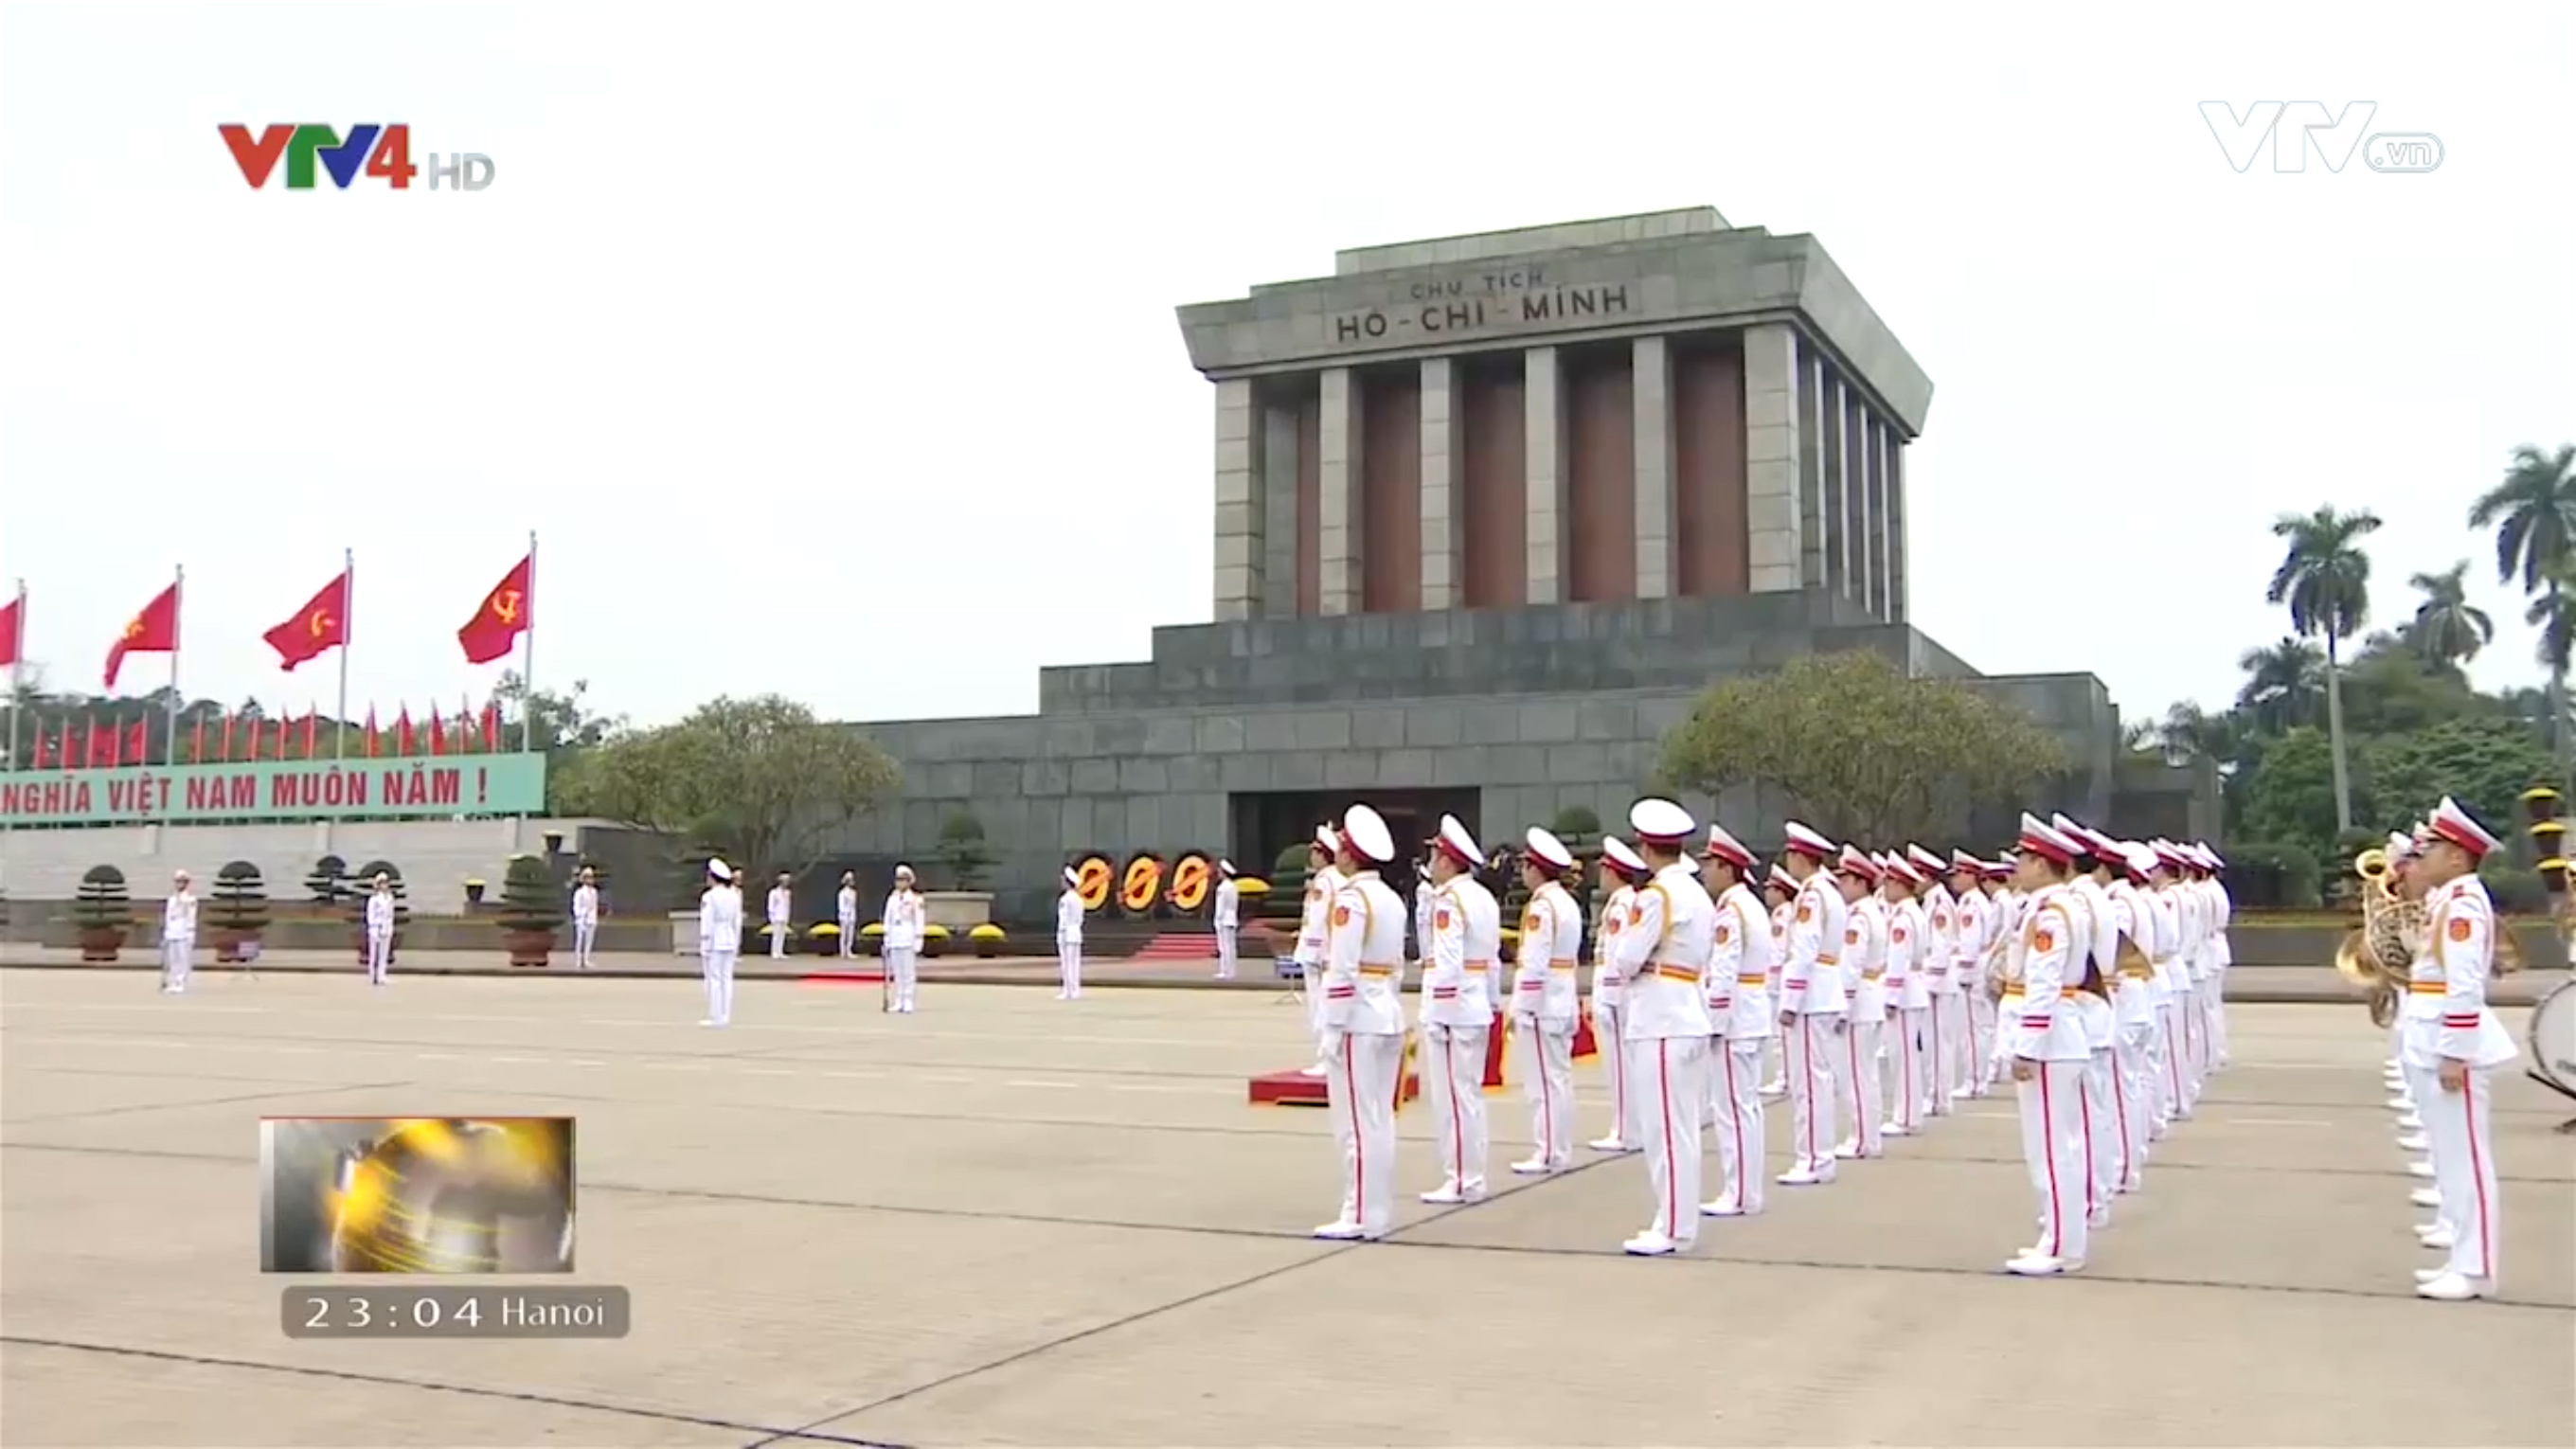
[[1326, 841], [1225, 867], [1616, 851], [717, 868], [1903, 869], [1661, 822], [2216, 861], [1543, 847], [1725, 847], [2400, 846], [1780, 877], [2139, 857], [1960, 860], [1998, 869], [1366, 831], [1926, 864], [2455, 825], [2168, 852], [1454, 841], [2041, 838], [1807, 842], [1856, 861]]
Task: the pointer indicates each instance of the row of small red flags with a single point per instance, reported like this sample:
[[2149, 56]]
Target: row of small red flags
[[89, 745]]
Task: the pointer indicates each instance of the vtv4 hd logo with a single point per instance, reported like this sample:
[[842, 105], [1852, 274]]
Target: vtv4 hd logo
[[380, 153]]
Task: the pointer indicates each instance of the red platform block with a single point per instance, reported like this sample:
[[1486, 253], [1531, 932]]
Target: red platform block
[[1585, 1044], [1296, 1089], [1498, 1048], [874, 977]]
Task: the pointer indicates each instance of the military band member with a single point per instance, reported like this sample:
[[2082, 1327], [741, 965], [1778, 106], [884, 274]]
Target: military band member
[[1068, 937], [1815, 1008], [2455, 1054], [1323, 883], [585, 918], [719, 940], [1457, 1016], [2049, 1051], [1911, 949], [1622, 872], [1954, 1065], [178, 934], [1932, 963], [2003, 921], [2220, 955], [781, 914], [2089, 972], [2401, 850], [380, 928], [1663, 952], [1544, 1003], [1225, 914], [2133, 1004], [2188, 906], [1779, 888], [1863, 1088], [904, 927], [1364, 1024], [845, 913], [2172, 1104], [1739, 1018]]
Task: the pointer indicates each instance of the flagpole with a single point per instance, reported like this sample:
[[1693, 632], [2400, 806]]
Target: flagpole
[[17, 676], [178, 587], [528, 654], [348, 631]]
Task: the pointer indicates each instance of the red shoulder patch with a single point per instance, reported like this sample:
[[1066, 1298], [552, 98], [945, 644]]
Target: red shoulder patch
[[2043, 939], [1851, 935], [1806, 912], [1341, 915], [2461, 930], [1724, 934], [1440, 920], [1897, 935]]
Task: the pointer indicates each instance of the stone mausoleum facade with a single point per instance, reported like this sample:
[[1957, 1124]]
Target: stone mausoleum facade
[[1490, 512]]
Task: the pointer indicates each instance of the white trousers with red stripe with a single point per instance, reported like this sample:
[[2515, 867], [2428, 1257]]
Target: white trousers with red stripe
[[1610, 1036], [1985, 1049], [2130, 1059], [2464, 1168], [1453, 1079], [1666, 1075], [1951, 1066], [1359, 1092], [1735, 1119], [2101, 1124], [1814, 1054], [1549, 1085], [1915, 1034], [2052, 1146], [1862, 1083]]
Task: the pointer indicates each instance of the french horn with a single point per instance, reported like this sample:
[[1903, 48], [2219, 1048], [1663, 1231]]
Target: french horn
[[2379, 957]]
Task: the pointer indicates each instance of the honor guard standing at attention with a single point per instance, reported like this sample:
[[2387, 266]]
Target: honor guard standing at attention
[[1068, 937], [1364, 1026], [1779, 888], [1865, 977], [2191, 910], [178, 934], [1664, 950], [2133, 1006], [1932, 964], [1314, 929], [1952, 979], [1991, 1049], [1622, 871], [904, 926], [2046, 1040], [2165, 957], [1741, 958], [1457, 1015], [380, 929], [1815, 1008], [1225, 915], [781, 914], [2090, 974], [845, 913], [1911, 949], [1544, 1002], [2453, 1055], [719, 940], [585, 918]]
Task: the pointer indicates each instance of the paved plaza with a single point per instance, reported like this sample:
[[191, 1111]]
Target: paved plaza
[[1013, 1220]]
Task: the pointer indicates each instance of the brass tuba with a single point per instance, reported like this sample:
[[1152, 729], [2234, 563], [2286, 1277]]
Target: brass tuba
[[2379, 957]]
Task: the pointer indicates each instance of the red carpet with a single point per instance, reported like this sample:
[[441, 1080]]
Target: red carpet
[[1178, 946], [858, 976]]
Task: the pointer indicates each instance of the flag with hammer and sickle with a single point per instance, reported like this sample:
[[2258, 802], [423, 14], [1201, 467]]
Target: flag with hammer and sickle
[[314, 630], [505, 614]]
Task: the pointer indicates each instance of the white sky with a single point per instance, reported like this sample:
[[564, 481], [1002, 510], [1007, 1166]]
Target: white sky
[[830, 349]]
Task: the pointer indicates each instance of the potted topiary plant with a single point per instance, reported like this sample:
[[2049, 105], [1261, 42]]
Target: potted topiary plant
[[328, 881], [103, 913], [531, 911], [473, 893], [934, 942], [988, 939], [238, 914], [359, 885], [872, 939]]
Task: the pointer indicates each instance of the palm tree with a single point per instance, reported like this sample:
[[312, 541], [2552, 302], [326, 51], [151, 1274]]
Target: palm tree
[[2447, 629], [2533, 513], [2285, 685], [2324, 579]]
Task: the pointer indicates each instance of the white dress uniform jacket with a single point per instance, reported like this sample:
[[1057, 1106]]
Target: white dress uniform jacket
[[2460, 929], [380, 916], [1811, 979], [1663, 949], [1911, 948], [1607, 989], [2096, 947], [1068, 918], [1453, 978], [2133, 1001], [1739, 967], [1364, 959], [1972, 931], [1865, 959], [179, 917], [902, 920], [585, 905], [1228, 910], [2045, 1027], [1551, 940]]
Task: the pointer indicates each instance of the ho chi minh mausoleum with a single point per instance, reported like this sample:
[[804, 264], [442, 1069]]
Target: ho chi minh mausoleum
[[1490, 512]]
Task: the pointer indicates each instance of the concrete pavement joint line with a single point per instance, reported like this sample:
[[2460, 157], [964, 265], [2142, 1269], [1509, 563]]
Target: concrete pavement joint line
[[427, 1386], [125, 1111]]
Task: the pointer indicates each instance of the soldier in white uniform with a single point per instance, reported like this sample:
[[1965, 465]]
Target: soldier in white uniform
[[1815, 1008], [845, 913], [1068, 938], [1911, 949], [1740, 964], [1954, 1073], [2003, 920], [1864, 967], [1622, 871], [1323, 883], [178, 935], [2172, 1103], [1544, 1002], [719, 940], [781, 914], [1663, 954], [2090, 972], [1364, 1025], [380, 929], [904, 924], [1779, 889], [585, 918], [2133, 1006], [2454, 1055], [1457, 1014], [2049, 1052], [1225, 914]]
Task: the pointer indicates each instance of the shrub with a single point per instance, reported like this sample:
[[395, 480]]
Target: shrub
[[528, 897], [1286, 898], [240, 903], [2516, 891], [934, 941], [961, 849], [2268, 875], [328, 882], [102, 903]]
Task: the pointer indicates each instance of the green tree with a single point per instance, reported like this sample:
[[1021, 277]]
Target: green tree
[[961, 849], [560, 724], [2285, 686], [761, 774], [2533, 513], [2484, 764], [2447, 629], [2324, 580], [1865, 751], [2290, 795]]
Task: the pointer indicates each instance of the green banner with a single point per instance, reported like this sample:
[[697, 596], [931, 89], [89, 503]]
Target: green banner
[[414, 787]]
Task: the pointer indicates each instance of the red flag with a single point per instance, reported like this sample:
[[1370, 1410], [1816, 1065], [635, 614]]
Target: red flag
[[228, 737], [464, 725], [503, 616], [102, 746], [154, 631], [405, 744], [314, 630], [437, 733], [372, 734], [138, 742], [13, 630], [281, 741], [492, 726], [312, 731], [44, 749], [197, 742]]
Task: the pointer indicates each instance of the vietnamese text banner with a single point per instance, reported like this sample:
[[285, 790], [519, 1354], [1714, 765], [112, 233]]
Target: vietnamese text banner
[[425, 786]]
